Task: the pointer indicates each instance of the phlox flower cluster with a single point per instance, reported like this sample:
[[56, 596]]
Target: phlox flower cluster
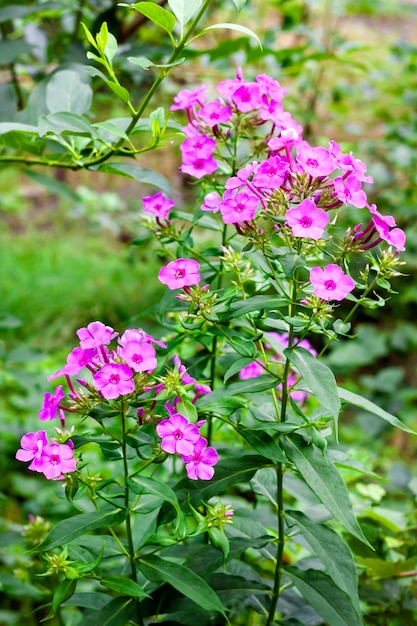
[[256, 368], [122, 371], [293, 191]]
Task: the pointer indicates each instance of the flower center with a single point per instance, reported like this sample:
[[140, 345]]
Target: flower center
[[330, 285], [180, 274], [312, 162], [306, 222], [114, 379]]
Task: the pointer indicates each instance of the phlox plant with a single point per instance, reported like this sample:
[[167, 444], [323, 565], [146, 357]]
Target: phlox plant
[[224, 502]]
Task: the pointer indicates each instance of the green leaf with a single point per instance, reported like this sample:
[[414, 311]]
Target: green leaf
[[331, 603], [141, 174], [121, 92], [8, 127], [53, 185], [363, 403], [118, 612], [146, 63], [144, 484], [332, 552], [325, 481], [255, 303], [262, 383], [181, 578], [262, 443], [72, 527], [124, 585], [63, 592], [66, 91], [237, 27], [156, 14], [319, 378], [239, 4], [70, 123], [184, 10], [10, 50], [236, 367]]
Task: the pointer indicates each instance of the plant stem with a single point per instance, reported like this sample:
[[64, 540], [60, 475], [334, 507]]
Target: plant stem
[[131, 548], [280, 471]]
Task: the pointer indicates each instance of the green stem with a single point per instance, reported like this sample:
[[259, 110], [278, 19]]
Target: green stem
[[131, 548], [280, 472]]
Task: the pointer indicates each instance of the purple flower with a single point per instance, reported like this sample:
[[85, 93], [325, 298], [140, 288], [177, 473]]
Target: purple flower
[[271, 87], [247, 97], [186, 379], [198, 166], [114, 380], [158, 205], [307, 220], [199, 464], [186, 99], [200, 145], [178, 435], [133, 334], [57, 459], [214, 113], [253, 370], [349, 191], [180, 273], [50, 404], [330, 282], [76, 361], [212, 202], [315, 161], [241, 208], [141, 357], [383, 223], [32, 445], [95, 335], [271, 173]]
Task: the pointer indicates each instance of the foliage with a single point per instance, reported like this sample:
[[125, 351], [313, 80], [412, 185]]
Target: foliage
[[300, 518]]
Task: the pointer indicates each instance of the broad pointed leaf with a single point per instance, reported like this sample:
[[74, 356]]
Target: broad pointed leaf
[[118, 612], [325, 481], [72, 527], [262, 443], [331, 603], [144, 484], [184, 10], [123, 585], [66, 91], [181, 578], [141, 174], [157, 14]]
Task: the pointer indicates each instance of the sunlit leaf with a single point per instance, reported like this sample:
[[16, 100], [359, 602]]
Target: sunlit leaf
[[157, 14], [184, 10], [237, 27]]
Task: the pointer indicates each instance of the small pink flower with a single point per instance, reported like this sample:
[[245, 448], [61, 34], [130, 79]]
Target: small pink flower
[[349, 191], [197, 166], [114, 380], [96, 334], [271, 173], [50, 404], [253, 370], [212, 202], [315, 161], [307, 220], [158, 205], [247, 97], [186, 99], [57, 459], [141, 357], [178, 435], [32, 445], [180, 273], [241, 208], [186, 379], [331, 283], [133, 334], [76, 361], [214, 113], [200, 463], [199, 145]]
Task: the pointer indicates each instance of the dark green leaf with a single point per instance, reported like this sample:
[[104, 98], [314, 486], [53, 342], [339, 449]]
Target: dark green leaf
[[255, 303], [181, 578], [363, 403], [143, 175], [262, 443], [118, 612], [331, 603], [64, 591], [123, 585], [325, 481], [252, 385], [10, 50], [236, 367], [53, 185], [72, 527], [144, 484]]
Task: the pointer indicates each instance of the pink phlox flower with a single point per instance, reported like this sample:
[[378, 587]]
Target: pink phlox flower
[[191, 130], [50, 404], [253, 370], [271, 87], [186, 379], [76, 361], [270, 110], [32, 445], [247, 97], [349, 191], [57, 459], [114, 380], [214, 113], [197, 166], [348, 163], [199, 463], [271, 173], [242, 176], [288, 138], [172, 408], [158, 205], [316, 161], [227, 87], [134, 334], [307, 220], [200, 145], [186, 99], [386, 228], [96, 334], [239, 208], [200, 390], [177, 434], [212, 202], [180, 273], [141, 357], [331, 283]]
